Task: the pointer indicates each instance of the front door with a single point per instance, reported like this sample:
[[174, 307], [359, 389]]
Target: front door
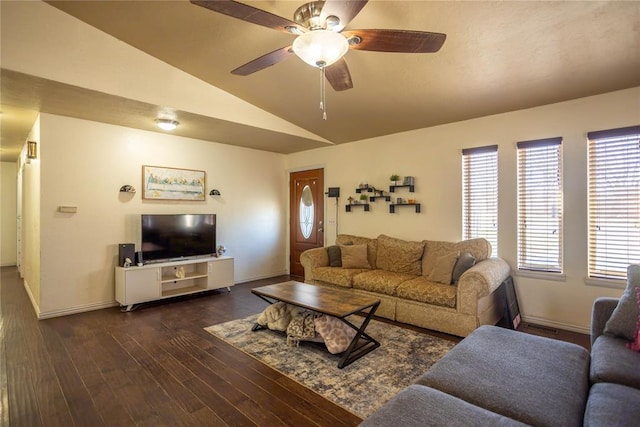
[[306, 195]]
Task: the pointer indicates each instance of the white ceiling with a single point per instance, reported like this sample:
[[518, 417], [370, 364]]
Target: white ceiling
[[498, 57]]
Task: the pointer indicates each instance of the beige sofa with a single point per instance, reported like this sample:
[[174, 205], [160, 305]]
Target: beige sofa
[[421, 283]]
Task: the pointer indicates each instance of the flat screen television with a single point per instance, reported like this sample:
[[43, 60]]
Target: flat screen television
[[167, 237]]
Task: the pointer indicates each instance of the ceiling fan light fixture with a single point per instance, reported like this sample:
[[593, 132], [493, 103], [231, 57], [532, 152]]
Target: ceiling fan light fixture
[[167, 124], [320, 48]]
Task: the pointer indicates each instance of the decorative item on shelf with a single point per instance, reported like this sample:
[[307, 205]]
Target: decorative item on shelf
[[411, 201], [364, 197], [214, 192], [127, 189], [32, 150], [395, 179], [408, 180], [400, 201], [351, 200], [220, 250], [180, 272]]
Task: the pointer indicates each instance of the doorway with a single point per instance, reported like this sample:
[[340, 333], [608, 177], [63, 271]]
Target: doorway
[[306, 225]]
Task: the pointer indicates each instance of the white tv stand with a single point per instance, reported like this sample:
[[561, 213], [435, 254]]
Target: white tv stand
[[151, 282]]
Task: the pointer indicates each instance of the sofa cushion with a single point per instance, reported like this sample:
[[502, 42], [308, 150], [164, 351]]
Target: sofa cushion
[[421, 289], [443, 268], [380, 281], [419, 406], [535, 380], [465, 261], [613, 362], [372, 245], [337, 275], [335, 256], [612, 405], [399, 256], [623, 321], [354, 256]]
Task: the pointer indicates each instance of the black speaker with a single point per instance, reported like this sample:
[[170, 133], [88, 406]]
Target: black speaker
[[139, 260], [333, 192], [125, 250]]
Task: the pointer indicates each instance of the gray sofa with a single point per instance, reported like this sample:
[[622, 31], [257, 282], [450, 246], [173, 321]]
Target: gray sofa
[[506, 378]]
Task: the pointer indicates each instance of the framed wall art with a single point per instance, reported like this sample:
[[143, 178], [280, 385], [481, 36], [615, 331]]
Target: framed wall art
[[162, 183]]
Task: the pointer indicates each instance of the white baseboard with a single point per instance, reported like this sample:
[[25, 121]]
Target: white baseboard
[[558, 325], [75, 310], [266, 276], [34, 303]]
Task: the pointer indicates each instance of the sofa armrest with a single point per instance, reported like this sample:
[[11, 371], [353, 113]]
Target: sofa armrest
[[602, 309], [312, 259], [479, 281]]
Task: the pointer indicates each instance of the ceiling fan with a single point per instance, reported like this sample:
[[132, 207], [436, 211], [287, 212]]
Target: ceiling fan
[[321, 41]]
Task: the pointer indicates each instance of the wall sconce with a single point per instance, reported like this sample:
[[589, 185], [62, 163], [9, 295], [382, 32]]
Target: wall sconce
[[32, 150], [127, 189], [214, 192]]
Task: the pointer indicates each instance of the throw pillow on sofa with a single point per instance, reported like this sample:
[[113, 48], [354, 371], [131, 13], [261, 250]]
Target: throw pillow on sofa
[[623, 321], [354, 256], [465, 261], [399, 256], [443, 269], [635, 345], [335, 256]]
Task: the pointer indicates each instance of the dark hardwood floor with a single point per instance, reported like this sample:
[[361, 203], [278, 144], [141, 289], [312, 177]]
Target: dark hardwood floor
[[155, 366]]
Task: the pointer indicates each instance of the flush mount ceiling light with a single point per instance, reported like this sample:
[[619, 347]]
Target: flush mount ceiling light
[[167, 124]]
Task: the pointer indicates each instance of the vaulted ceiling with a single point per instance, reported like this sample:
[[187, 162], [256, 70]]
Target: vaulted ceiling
[[498, 56]]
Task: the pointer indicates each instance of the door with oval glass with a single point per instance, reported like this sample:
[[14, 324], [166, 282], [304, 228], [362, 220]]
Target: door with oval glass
[[306, 227]]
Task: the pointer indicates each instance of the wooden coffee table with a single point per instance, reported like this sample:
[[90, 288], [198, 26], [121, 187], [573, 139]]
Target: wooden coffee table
[[329, 301]]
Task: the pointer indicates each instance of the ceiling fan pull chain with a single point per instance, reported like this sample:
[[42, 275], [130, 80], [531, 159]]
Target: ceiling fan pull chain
[[323, 101]]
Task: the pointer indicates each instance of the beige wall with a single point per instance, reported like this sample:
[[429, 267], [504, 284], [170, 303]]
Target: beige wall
[[29, 209], [433, 156], [84, 164], [8, 212]]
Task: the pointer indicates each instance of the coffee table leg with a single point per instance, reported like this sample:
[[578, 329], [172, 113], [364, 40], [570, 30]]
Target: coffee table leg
[[355, 352]]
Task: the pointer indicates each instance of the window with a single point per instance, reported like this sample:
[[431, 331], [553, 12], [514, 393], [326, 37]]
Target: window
[[614, 202], [480, 194], [540, 205]]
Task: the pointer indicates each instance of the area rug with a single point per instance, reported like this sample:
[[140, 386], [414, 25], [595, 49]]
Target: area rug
[[360, 387]]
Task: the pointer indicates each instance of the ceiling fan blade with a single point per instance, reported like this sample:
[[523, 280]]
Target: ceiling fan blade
[[338, 75], [345, 10], [249, 14], [264, 61], [405, 41]]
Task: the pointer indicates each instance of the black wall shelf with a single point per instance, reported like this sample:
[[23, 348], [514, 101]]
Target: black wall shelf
[[365, 205], [366, 189], [392, 207], [392, 188], [373, 198]]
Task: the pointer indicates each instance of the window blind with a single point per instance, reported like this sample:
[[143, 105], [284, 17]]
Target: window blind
[[480, 194], [614, 201], [540, 205]]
